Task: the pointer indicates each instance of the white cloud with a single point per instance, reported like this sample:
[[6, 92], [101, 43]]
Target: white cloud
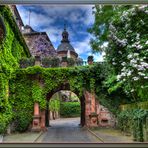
[[53, 33], [82, 47], [89, 19], [74, 13], [36, 19], [99, 57]]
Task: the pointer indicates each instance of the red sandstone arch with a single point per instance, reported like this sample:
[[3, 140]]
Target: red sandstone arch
[[82, 102], [89, 114]]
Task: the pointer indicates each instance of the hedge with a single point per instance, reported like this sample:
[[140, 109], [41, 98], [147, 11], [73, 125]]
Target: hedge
[[70, 109]]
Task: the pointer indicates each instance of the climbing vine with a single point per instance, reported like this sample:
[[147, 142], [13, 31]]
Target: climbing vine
[[12, 49], [133, 122]]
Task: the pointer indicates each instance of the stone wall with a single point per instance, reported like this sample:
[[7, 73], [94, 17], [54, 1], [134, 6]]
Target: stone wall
[[39, 44], [97, 115]]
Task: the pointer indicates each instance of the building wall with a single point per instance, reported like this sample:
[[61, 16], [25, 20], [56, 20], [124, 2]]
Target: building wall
[[39, 45], [64, 54]]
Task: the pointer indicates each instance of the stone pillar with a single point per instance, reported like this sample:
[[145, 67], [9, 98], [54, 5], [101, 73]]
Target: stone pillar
[[93, 103], [43, 126], [36, 118], [91, 112], [87, 108], [93, 115]]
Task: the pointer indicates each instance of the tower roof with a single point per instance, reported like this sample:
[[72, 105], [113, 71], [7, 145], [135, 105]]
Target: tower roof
[[65, 43]]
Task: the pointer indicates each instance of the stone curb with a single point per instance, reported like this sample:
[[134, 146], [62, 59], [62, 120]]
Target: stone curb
[[41, 132], [1, 138], [95, 135]]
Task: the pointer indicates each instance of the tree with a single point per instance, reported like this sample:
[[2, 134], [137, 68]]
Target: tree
[[125, 29], [100, 30]]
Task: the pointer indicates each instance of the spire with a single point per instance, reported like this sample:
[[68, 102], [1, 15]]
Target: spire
[[65, 35], [64, 26]]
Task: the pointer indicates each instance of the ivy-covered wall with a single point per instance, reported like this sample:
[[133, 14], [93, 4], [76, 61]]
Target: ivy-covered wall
[[32, 84], [12, 49]]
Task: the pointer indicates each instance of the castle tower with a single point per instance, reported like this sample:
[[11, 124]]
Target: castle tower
[[65, 48]]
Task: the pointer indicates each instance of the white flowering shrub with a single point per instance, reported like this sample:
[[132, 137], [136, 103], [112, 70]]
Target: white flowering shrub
[[128, 50]]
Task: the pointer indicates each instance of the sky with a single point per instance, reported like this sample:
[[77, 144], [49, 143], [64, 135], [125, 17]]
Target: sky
[[51, 19]]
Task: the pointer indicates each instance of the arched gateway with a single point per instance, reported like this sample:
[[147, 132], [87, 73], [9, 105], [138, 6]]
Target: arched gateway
[[89, 109]]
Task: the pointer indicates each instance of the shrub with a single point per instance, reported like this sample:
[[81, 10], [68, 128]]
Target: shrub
[[70, 109], [26, 62], [23, 121], [133, 121]]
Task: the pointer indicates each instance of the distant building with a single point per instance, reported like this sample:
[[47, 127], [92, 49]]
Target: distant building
[[39, 43], [65, 49]]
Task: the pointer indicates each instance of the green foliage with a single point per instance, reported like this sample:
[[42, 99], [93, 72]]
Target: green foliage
[[54, 104], [5, 117], [70, 109], [140, 105], [50, 62], [100, 29], [21, 101], [12, 49], [37, 94], [23, 121], [133, 121], [5, 11], [71, 62], [2, 29], [55, 62], [26, 62]]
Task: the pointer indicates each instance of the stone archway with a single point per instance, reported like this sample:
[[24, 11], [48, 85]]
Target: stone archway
[[91, 112], [81, 98]]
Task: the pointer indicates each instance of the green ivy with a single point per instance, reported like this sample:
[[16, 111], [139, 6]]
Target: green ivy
[[133, 121], [54, 104], [12, 49], [37, 95]]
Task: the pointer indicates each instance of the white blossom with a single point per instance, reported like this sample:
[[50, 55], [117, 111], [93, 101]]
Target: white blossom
[[141, 74], [136, 54], [124, 80], [139, 46], [123, 63], [138, 36], [133, 61], [119, 77], [135, 78], [129, 73], [129, 56], [119, 52]]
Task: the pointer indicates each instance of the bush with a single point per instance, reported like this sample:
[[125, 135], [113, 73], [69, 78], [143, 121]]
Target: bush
[[3, 125], [70, 109], [70, 61], [23, 121], [133, 121], [26, 62]]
